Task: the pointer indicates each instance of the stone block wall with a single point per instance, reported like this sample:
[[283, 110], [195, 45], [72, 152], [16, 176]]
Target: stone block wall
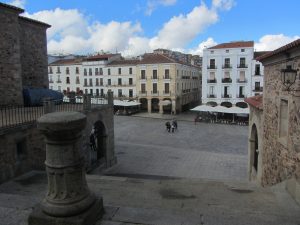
[[21, 150], [33, 46], [10, 67], [280, 161]]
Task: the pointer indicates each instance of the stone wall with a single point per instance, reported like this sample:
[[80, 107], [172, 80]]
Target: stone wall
[[10, 67], [21, 150], [33, 53], [281, 160]]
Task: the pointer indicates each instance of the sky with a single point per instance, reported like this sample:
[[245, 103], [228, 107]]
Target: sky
[[133, 27]]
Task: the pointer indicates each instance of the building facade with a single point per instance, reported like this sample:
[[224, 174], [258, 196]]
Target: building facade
[[23, 56], [279, 154], [161, 84], [230, 73]]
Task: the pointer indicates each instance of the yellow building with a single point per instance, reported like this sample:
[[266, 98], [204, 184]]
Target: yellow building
[[165, 85]]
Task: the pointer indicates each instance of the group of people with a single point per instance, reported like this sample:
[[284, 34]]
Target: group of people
[[171, 126]]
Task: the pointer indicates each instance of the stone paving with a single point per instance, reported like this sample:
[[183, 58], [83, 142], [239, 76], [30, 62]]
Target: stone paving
[[211, 151]]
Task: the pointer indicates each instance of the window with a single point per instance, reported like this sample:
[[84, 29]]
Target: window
[[97, 83], [100, 71], [283, 121], [86, 91], [227, 63], [226, 89], [167, 74], [257, 69], [85, 82], [212, 75], [143, 74], [58, 79], [154, 75], [85, 72], [91, 82], [119, 71], [91, 91], [154, 88], [130, 81], [242, 76], [242, 50], [101, 81], [227, 51], [211, 90], [96, 71], [108, 71], [102, 92], [119, 81], [77, 70], [67, 70], [108, 82], [257, 86], [143, 88], [68, 89], [226, 75], [97, 92], [130, 94], [119, 92], [130, 70], [50, 70], [68, 80], [211, 52], [90, 72], [212, 63], [167, 88], [77, 80], [241, 92], [58, 70], [50, 79], [242, 63]]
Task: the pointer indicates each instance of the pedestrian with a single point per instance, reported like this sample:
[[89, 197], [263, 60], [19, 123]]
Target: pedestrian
[[168, 126], [172, 127], [175, 124]]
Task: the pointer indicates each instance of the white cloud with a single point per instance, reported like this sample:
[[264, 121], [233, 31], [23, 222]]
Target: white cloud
[[18, 3], [223, 4], [72, 32], [271, 42], [205, 44], [180, 30], [153, 4]]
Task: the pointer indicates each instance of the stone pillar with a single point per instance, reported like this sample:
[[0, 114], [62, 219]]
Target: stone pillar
[[149, 105], [161, 110], [68, 199], [110, 98], [87, 104]]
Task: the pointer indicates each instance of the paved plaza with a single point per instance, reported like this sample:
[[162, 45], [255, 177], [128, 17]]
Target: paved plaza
[[213, 151]]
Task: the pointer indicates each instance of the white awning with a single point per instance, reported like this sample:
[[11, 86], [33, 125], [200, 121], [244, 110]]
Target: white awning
[[126, 103], [221, 109], [166, 102]]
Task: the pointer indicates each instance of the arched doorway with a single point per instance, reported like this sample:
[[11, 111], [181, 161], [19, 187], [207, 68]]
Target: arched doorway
[[254, 149], [144, 104], [154, 105], [242, 105], [100, 136], [167, 105]]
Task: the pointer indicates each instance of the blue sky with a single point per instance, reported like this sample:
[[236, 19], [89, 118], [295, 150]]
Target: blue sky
[[136, 26]]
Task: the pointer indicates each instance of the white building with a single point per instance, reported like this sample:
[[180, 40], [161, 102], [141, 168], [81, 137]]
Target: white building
[[228, 74], [257, 75]]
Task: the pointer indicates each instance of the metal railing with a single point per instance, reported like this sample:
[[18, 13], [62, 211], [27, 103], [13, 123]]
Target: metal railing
[[226, 80], [15, 116], [211, 80]]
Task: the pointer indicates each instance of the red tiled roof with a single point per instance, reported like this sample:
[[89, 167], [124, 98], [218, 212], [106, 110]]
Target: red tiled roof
[[236, 44], [255, 101], [124, 62], [258, 54], [100, 57], [280, 50], [12, 7], [67, 61], [154, 58]]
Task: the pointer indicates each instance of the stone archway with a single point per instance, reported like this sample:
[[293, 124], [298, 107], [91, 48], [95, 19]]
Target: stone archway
[[167, 105], [254, 153], [144, 104], [100, 135]]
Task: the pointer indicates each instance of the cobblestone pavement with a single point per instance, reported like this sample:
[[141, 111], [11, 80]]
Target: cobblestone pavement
[[212, 151]]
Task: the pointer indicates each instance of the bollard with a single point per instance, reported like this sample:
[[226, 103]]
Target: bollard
[[68, 199]]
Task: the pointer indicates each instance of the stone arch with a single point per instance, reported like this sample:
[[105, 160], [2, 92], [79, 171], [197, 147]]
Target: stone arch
[[144, 104], [226, 104], [154, 105], [167, 107], [212, 104], [242, 104]]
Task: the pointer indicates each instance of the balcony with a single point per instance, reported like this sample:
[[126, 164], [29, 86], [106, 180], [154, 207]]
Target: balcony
[[227, 66], [211, 96], [154, 78], [257, 73], [143, 93], [258, 89], [143, 78], [240, 96], [212, 80], [226, 96], [242, 66], [58, 81], [50, 81], [166, 93], [154, 93], [212, 67], [241, 80], [226, 80]]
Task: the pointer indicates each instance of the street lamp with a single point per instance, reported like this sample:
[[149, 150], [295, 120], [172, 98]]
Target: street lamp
[[288, 77]]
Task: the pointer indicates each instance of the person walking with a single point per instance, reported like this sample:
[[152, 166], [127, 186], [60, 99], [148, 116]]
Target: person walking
[[168, 126], [175, 124]]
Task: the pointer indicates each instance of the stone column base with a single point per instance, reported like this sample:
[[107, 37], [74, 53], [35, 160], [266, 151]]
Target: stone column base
[[88, 217]]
